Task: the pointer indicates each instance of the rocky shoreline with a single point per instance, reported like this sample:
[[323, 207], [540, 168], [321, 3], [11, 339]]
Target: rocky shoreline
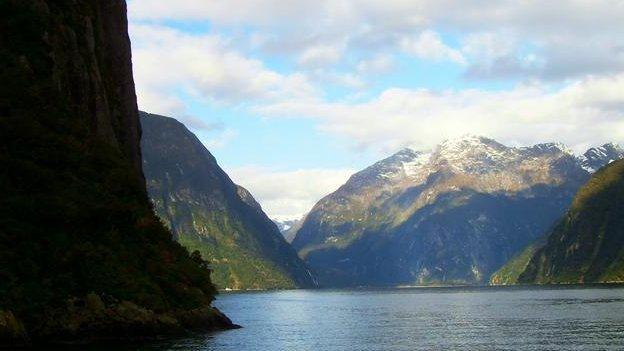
[[96, 319]]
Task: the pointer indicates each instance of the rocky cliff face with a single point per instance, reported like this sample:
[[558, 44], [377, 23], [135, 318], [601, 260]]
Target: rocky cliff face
[[208, 212], [74, 214], [81, 54], [452, 215]]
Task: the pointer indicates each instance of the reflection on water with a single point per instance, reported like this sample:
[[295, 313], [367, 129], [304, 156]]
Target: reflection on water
[[419, 319]]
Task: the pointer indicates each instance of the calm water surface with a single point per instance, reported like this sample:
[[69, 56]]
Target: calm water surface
[[419, 319]]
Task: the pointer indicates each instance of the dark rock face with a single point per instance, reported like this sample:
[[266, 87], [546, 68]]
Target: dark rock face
[[85, 58], [453, 215], [74, 214], [93, 319], [208, 212], [587, 244]]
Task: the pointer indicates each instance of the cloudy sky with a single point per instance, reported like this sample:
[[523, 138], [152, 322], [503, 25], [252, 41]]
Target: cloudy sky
[[292, 96]]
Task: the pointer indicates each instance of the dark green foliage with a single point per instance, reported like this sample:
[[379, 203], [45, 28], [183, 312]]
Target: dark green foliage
[[209, 213], [587, 245], [510, 272], [74, 215]]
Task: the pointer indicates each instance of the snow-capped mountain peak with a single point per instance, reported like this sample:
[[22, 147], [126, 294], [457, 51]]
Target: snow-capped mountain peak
[[467, 140], [288, 226], [473, 154], [416, 207], [414, 165], [598, 157], [476, 155], [550, 147]]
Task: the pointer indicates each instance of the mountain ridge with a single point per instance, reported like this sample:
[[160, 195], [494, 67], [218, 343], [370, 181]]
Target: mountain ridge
[[391, 201], [208, 212], [584, 246]]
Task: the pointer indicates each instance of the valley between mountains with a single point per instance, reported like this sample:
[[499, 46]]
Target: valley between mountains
[[469, 211], [119, 226]]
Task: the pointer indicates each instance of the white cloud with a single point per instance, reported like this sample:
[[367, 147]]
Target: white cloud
[[288, 194], [320, 55], [221, 140], [429, 45], [348, 80], [255, 12], [496, 54], [154, 101], [574, 37], [588, 111], [488, 46], [568, 54], [166, 60], [379, 64]]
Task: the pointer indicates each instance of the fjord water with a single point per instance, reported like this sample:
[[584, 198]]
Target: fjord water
[[526, 318]]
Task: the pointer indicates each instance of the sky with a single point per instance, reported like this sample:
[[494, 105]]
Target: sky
[[293, 96]]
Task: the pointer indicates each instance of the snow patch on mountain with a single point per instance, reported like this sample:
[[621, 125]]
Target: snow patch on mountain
[[598, 157], [415, 165], [476, 155]]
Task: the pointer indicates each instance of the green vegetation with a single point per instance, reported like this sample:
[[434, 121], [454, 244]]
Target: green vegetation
[[209, 213], [234, 269], [587, 245], [74, 215], [233, 265], [510, 272]]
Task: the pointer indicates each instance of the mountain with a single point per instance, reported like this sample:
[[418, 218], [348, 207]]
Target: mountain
[[207, 212], [587, 243], [596, 157], [288, 227], [82, 255], [450, 216], [509, 273]]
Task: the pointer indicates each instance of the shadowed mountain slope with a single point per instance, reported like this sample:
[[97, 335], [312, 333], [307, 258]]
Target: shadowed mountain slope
[[81, 252], [208, 212], [587, 244], [452, 215]]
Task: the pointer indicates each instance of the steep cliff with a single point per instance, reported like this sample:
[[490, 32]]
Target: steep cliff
[[208, 212], [77, 232], [587, 244]]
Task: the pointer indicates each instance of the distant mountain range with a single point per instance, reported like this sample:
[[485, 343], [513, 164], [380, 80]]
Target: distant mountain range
[[288, 227], [587, 243], [470, 211], [597, 157], [206, 211], [453, 215]]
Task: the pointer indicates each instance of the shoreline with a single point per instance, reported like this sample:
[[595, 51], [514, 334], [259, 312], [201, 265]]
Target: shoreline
[[91, 321], [440, 287]]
